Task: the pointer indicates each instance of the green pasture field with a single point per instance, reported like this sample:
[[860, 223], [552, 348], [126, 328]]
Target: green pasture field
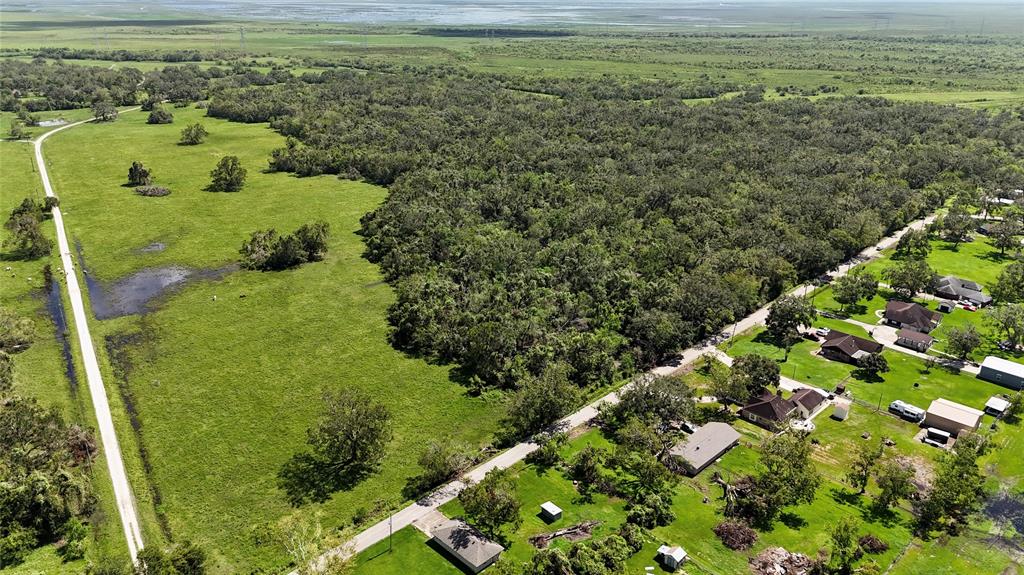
[[224, 386], [956, 70]]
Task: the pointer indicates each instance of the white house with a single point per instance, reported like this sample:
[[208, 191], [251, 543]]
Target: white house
[[672, 557]]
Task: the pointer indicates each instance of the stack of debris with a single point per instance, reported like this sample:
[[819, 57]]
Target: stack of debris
[[576, 532], [778, 561]]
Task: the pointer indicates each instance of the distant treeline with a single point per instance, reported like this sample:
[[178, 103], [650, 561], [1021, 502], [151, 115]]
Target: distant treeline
[[38, 86], [494, 32], [603, 234]]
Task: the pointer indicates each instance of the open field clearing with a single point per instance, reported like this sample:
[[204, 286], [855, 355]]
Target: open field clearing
[[224, 375]]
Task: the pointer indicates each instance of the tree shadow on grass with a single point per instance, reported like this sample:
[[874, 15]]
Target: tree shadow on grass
[[995, 257], [845, 497], [792, 520], [869, 511], [866, 376], [306, 478]]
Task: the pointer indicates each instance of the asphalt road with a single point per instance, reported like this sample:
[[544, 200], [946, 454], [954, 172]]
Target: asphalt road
[[108, 436]]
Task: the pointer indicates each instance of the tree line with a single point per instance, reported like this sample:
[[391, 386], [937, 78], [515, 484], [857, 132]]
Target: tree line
[[523, 231]]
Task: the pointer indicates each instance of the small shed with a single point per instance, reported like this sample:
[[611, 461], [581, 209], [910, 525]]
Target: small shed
[[946, 306], [996, 406], [841, 410], [550, 512], [1002, 371], [672, 557], [952, 417]]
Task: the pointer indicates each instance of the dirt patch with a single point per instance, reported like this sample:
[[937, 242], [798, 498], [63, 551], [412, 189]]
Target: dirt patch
[[577, 532], [119, 348], [153, 248]]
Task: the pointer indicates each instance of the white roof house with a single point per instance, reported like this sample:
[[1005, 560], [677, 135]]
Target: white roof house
[[952, 417], [673, 556]]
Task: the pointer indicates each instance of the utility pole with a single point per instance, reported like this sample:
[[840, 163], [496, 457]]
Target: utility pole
[[241, 38], [391, 530]]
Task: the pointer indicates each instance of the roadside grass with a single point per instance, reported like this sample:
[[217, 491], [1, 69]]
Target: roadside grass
[[8, 118], [39, 371], [226, 375]]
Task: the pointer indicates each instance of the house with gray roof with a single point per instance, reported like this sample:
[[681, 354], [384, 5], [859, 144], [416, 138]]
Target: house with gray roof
[[954, 288], [467, 545], [707, 443]]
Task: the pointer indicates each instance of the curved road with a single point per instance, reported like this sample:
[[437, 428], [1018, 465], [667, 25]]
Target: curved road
[[108, 436]]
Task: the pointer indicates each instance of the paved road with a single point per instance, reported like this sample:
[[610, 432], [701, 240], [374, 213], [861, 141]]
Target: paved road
[[108, 437], [423, 508]]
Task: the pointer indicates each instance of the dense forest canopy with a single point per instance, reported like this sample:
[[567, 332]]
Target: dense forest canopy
[[525, 230]]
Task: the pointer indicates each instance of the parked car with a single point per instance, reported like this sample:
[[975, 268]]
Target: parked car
[[969, 306], [906, 411], [822, 332]]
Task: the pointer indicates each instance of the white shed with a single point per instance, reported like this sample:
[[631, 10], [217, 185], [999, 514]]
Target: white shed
[[550, 512], [672, 557], [996, 406]]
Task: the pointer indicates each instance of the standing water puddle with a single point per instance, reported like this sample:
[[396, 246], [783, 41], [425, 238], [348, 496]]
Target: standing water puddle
[[132, 294], [1005, 507], [55, 307]]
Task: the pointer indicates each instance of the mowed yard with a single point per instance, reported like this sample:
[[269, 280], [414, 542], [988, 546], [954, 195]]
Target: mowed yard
[[226, 375], [698, 505]]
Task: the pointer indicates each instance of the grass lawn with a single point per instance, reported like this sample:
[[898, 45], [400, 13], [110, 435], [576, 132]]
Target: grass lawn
[[967, 553], [409, 554], [224, 389], [898, 383], [535, 486]]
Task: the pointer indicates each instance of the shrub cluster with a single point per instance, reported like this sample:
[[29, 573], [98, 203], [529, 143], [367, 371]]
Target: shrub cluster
[[266, 250]]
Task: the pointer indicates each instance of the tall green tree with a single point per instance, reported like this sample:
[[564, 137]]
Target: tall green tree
[[348, 444], [1009, 287], [1008, 320], [865, 462], [228, 176], [844, 548], [961, 341], [785, 318], [540, 401], [957, 490], [908, 277], [493, 503], [914, 244], [1005, 235], [893, 477]]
